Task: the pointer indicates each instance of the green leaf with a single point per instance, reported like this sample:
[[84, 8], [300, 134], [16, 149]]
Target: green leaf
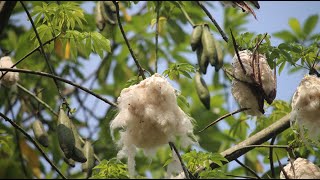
[[310, 24], [295, 26], [286, 36], [282, 66]]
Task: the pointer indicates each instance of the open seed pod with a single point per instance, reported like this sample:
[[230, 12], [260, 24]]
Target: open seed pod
[[150, 117], [11, 78], [247, 88], [40, 134], [306, 107], [301, 169]]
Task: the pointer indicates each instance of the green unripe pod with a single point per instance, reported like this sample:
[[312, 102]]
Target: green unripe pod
[[70, 162], [108, 10], [89, 154], [202, 90], [208, 45], [219, 57], [203, 61], [65, 135], [196, 37], [40, 134], [77, 151]]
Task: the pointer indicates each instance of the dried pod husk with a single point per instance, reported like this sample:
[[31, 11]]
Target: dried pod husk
[[301, 169], [65, 135], [89, 154], [246, 95], [208, 44], [40, 134], [218, 57], [196, 37], [306, 107], [77, 151], [108, 10], [11, 78], [202, 90], [100, 22], [203, 61]]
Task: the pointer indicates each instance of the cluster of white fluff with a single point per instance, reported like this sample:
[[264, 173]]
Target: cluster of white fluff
[[301, 169], [306, 107], [150, 117], [10, 78], [241, 91]]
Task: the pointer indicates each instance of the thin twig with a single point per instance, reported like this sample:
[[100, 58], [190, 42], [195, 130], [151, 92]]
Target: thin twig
[[223, 117], [44, 54], [248, 168], [271, 158], [157, 34], [60, 79], [237, 52], [213, 21], [141, 71], [17, 138], [31, 52], [186, 15], [34, 142], [281, 168], [184, 168], [49, 108], [38, 99]]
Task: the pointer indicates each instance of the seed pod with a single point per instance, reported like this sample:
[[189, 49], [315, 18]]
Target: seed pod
[[77, 151], [89, 154], [70, 162], [208, 44], [219, 57], [202, 60], [202, 90], [196, 37], [40, 134], [65, 135], [108, 10], [100, 22]]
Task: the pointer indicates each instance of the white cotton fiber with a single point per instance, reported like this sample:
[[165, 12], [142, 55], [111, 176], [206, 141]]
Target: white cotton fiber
[[150, 117], [241, 91], [301, 169], [10, 78], [306, 106]]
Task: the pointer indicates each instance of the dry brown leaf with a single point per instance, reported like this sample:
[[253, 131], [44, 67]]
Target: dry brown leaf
[[31, 157]]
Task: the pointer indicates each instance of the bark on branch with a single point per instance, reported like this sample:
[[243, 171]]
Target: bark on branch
[[6, 8], [258, 138]]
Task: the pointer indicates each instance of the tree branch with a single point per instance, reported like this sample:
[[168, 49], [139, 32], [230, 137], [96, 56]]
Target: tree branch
[[141, 71], [60, 79], [6, 8], [258, 138], [213, 21], [34, 142], [157, 33], [44, 54]]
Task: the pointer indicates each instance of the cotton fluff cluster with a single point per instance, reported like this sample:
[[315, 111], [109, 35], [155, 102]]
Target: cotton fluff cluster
[[241, 91], [11, 77], [150, 117], [301, 169], [306, 106]]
